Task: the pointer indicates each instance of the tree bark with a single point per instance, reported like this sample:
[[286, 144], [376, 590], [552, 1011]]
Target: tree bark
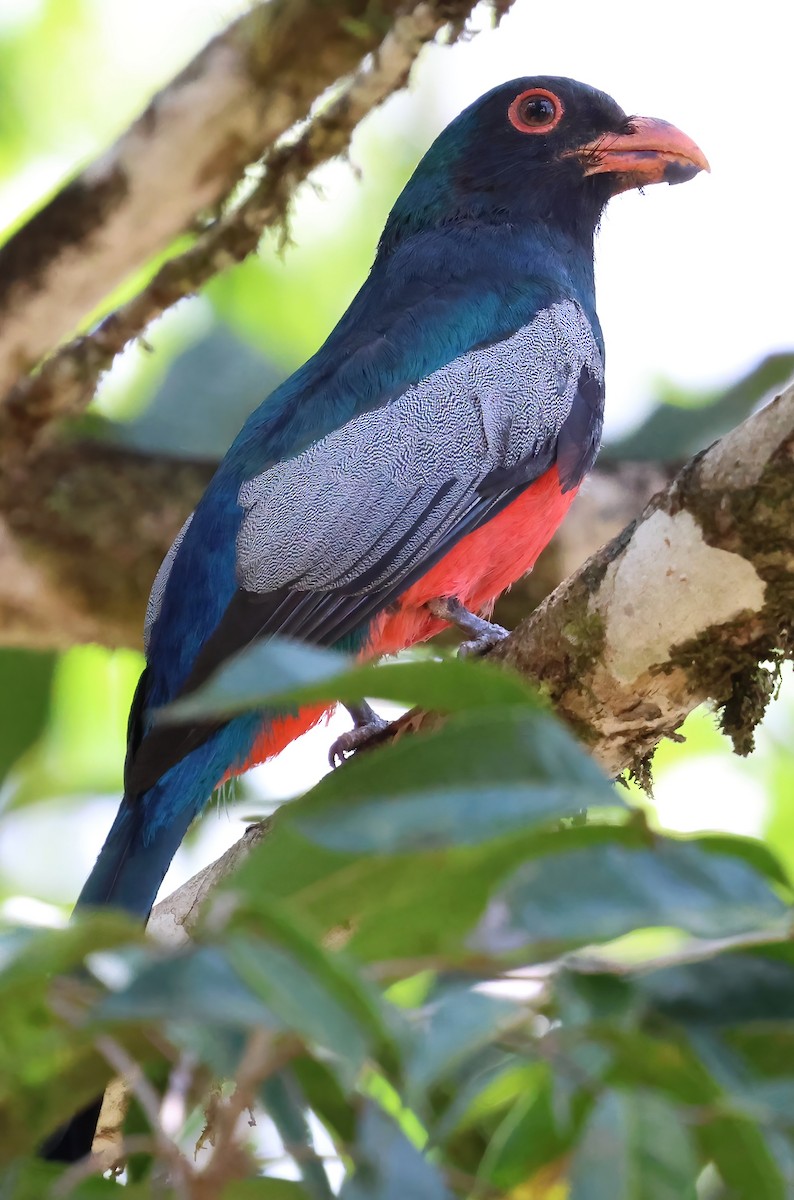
[[181, 159]]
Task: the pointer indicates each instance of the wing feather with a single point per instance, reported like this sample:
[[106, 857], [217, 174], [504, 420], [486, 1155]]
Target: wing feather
[[332, 536]]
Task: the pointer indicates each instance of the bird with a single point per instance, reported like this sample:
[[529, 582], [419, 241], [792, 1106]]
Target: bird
[[412, 469]]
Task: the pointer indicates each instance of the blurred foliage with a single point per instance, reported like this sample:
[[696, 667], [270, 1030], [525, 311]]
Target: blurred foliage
[[454, 860], [447, 860], [683, 422]]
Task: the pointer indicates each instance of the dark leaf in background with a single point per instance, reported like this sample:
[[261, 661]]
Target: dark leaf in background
[[25, 682], [674, 432], [531, 1136], [610, 890], [207, 393], [387, 1165], [449, 1030], [726, 990], [635, 1147]]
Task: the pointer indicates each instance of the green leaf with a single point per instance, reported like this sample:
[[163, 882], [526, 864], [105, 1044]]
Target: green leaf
[[611, 889], [635, 1147], [325, 1097], [406, 905], [483, 1087], [278, 672], [199, 984], [529, 1137], [449, 1030], [246, 984], [35, 1180], [481, 776], [266, 919], [388, 1166], [725, 990], [743, 1158], [25, 686], [301, 1001]]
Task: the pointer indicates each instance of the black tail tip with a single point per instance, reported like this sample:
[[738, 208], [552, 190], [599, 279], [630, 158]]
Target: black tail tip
[[73, 1141]]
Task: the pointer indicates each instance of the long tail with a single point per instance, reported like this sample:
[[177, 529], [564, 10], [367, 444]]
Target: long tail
[[132, 864], [127, 875], [136, 855], [143, 840]]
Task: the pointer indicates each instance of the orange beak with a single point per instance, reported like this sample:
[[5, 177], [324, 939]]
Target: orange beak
[[654, 152]]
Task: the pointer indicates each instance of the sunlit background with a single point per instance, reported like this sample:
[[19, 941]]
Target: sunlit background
[[694, 290]]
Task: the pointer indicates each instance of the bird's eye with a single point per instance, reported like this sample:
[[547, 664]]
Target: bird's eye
[[536, 111]]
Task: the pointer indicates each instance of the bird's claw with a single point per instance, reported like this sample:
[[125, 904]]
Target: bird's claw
[[483, 635], [368, 728], [486, 640]]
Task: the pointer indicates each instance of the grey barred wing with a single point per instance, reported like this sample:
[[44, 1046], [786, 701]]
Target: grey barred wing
[[332, 536]]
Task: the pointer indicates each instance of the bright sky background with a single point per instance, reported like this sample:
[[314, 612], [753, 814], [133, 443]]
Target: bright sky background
[[695, 283]]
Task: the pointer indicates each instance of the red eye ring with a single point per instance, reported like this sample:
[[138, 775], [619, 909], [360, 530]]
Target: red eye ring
[[519, 111]]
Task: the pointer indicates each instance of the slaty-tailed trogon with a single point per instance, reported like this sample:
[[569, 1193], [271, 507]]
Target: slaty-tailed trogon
[[429, 449]]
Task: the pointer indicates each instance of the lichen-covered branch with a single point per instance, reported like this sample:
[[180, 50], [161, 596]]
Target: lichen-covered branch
[[84, 527], [693, 601], [182, 157]]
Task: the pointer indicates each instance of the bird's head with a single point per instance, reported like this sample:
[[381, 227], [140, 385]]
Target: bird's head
[[541, 149]]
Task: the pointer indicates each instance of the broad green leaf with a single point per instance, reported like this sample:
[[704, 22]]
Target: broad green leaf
[[387, 1166], [635, 1146], [480, 1089], [725, 990], [405, 905], [610, 890], [743, 1158], [29, 956], [279, 672], [528, 1138], [325, 1097], [301, 1002], [265, 919], [247, 983], [450, 1029], [33, 1179], [481, 776]]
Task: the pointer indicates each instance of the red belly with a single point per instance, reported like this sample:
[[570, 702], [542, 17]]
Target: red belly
[[477, 570]]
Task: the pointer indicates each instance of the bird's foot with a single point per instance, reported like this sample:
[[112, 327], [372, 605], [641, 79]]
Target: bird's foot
[[482, 634], [368, 727]]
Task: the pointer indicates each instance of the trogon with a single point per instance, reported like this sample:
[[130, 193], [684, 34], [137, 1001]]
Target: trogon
[[413, 468]]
